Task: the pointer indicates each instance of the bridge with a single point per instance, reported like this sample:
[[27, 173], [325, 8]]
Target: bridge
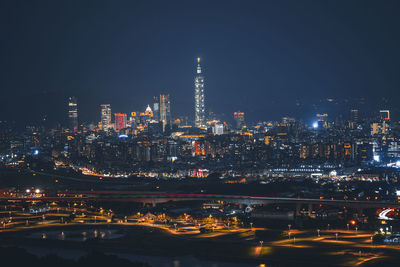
[[158, 197]]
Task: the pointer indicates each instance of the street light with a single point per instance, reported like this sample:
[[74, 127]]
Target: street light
[[336, 235], [251, 225], [356, 229], [329, 226], [318, 232], [289, 226]]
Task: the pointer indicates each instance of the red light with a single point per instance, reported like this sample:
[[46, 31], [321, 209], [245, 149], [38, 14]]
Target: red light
[[353, 222]]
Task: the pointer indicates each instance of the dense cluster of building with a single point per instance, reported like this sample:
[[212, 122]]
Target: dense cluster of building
[[152, 143]]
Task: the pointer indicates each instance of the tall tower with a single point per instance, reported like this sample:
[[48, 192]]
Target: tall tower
[[105, 117], [73, 113], [239, 119], [165, 110], [156, 108], [120, 121], [199, 105], [354, 115]]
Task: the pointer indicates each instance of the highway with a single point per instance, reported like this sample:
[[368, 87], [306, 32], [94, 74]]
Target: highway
[[158, 197]]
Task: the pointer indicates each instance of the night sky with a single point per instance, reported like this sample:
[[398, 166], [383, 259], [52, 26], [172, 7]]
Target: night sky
[[258, 56]]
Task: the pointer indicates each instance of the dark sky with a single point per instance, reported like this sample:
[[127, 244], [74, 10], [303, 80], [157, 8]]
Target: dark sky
[[258, 56]]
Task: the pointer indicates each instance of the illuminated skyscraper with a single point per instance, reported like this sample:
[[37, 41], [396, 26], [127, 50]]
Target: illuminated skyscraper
[[73, 113], [105, 117], [239, 118], [165, 110], [354, 115], [156, 108], [199, 97], [120, 121]]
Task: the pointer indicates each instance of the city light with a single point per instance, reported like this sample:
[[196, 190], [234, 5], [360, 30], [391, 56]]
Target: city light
[[171, 149]]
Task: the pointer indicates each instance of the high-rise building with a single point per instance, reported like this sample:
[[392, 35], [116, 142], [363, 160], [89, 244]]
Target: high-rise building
[[105, 117], [322, 120], [239, 119], [354, 115], [73, 113], [199, 105], [156, 108], [120, 121], [385, 115], [165, 110]]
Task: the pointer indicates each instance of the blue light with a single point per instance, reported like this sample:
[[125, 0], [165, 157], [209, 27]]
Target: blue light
[[315, 125], [377, 158], [35, 152], [122, 136], [398, 164]]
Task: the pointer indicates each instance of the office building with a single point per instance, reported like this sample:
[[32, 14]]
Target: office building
[[218, 129], [120, 121], [106, 117], [165, 110], [239, 119], [156, 108], [73, 113], [354, 115]]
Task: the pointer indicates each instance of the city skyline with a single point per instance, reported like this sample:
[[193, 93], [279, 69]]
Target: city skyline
[[255, 59], [200, 133]]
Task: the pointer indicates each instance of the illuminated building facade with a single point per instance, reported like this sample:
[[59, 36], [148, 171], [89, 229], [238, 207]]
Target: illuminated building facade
[[105, 117], [218, 129], [156, 108], [322, 120], [120, 121], [73, 113], [379, 128], [199, 97], [146, 116], [239, 119], [165, 110]]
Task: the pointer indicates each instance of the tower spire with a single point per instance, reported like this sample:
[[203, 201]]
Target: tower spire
[[198, 66]]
